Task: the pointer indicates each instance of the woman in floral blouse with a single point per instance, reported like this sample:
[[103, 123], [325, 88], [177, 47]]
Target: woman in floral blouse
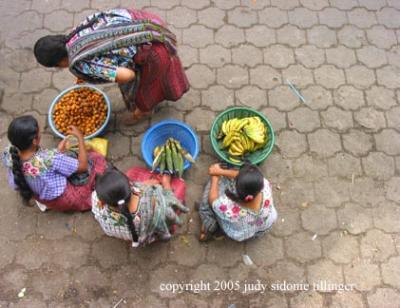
[[50, 176], [237, 202], [133, 48], [136, 208]]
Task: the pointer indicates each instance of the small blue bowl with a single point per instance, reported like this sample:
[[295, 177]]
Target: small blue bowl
[[99, 131], [159, 133]]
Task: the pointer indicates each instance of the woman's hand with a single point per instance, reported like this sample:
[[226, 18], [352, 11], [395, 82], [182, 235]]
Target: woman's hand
[[166, 181], [124, 75], [215, 170], [62, 145], [74, 131]]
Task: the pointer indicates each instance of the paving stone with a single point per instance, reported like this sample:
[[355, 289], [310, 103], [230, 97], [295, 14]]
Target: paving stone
[[242, 17], [73, 6], [212, 17], [337, 118], [247, 55], [310, 56], [291, 35], [377, 246], [304, 119], [357, 142], [341, 56], [55, 225], [35, 80], [86, 227], [321, 36], [332, 17], [325, 270], [393, 189], [291, 143], [119, 145], [167, 274], [272, 300], [286, 271], [19, 60], [27, 302], [226, 4], [343, 299], [319, 219], [378, 165], [332, 191], [272, 17], [181, 17], [386, 217], [372, 56], [370, 119], [277, 118], [308, 166], [367, 192], [58, 21], [89, 280], [388, 141], [277, 168], [394, 56], [265, 251], [187, 257], [329, 76], [81, 15], [207, 273], [324, 142], [317, 98], [195, 4], [351, 36], [381, 98], [106, 5], [381, 37], [218, 98], [190, 100], [265, 77], [260, 36], [198, 36], [393, 3], [17, 103], [391, 272], [217, 253], [5, 120], [348, 97], [383, 297], [307, 299], [285, 4], [295, 192], [387, 17], [109, 251], [251, 96], [200, 119], [215, 56], [315, 5], [232, 76], [303, 17], [200, 76], [344, 165], [389, 77], [278, 56], [361, 18], [287, 223], [153, 255], [298, 75], [13, 281], [229, 36], [341, 249], [51, 283], [69, 253], [282, 98], [343, 4], [44, 6], [7, 255], [354, 218]]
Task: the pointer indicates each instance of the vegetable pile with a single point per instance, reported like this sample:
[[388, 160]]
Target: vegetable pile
[[84, 107], [242, 136], [171, 157]]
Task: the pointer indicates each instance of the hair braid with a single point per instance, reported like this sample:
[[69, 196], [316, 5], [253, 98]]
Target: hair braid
[[19, 178]]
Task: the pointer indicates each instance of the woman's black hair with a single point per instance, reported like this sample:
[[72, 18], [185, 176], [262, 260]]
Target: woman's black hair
[[50, 50], [249, 183], [21, 133], [112, 187]]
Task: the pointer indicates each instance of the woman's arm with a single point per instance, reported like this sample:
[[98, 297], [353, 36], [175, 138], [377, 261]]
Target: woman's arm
[[82, 156], [124, 75], [216, 170], [214, 190]]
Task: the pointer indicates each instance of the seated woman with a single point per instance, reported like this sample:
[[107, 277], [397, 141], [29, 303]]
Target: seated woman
[[141, 212], [50, 176], [236, 202]]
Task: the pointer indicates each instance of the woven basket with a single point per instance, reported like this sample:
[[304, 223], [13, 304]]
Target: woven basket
[[241, 112]]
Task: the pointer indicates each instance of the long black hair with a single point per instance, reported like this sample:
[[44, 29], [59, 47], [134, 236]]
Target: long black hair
[[249, 183], [21, 133], [50, 50], [113, 188]]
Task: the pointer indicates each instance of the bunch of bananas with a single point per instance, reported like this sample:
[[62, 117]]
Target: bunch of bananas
[[171, 157], [242, 136]]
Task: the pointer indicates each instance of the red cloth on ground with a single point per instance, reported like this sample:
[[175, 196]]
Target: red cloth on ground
[[139, 174], [79, 198]]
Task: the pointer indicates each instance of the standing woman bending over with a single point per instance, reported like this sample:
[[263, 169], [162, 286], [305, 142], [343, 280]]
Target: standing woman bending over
[[237, 202], [50, 176], [130, 47]]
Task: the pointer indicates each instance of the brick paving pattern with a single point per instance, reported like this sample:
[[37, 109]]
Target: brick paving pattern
[[335, 168]]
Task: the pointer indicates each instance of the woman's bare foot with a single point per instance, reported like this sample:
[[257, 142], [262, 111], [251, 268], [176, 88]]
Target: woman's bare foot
[[135, 117], [204, 235]]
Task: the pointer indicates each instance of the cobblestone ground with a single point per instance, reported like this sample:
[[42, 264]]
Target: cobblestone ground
[[335, 167]]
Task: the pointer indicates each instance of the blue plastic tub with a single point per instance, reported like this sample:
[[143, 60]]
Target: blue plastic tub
[[159, 133], [99, 131]]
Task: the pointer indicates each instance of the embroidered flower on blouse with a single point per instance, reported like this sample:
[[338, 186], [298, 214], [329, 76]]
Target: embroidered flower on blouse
[[223, 208], [228, 213], [235, 210], [266, 203], [242, 213]]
